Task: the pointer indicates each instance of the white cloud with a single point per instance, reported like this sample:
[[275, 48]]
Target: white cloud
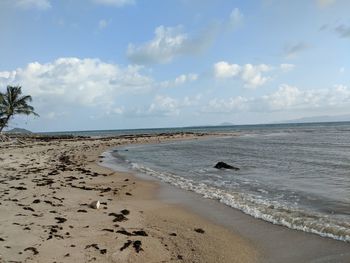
[[54, 115], [118, 110], [191, 101], [38, 4], [102, 24], [287, 67], [172, 42], [164, 105], [116, 3], [250, 74], [341, 70], [169, 43], [186, 78], [325, 3], [74, 81], [285, 98], [179, 80], [5, 74], [227, 105], [236, 18], [223, 69]]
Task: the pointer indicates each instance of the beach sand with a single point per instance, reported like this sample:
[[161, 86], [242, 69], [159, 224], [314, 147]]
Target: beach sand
[[45, 191]]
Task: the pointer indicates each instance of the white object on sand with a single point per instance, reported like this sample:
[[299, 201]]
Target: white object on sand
[[95, 204]]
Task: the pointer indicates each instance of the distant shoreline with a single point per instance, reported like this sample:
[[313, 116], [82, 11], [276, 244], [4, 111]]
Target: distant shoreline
[[186, 129]]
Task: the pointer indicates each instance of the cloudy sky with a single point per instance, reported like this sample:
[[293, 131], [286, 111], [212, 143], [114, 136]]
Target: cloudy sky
[[114, 64]]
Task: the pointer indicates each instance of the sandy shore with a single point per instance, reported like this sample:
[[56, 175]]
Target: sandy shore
[[45, 191]]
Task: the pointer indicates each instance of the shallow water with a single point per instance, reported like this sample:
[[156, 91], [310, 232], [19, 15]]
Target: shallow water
[[296, 176]]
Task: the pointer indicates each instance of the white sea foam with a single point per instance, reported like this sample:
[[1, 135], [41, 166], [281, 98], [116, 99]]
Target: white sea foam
[[258, 207]]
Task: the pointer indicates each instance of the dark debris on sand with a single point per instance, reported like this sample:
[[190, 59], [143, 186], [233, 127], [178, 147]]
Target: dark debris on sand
[[199, 230], [33, 249]]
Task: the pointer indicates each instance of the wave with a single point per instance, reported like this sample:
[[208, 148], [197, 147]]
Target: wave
[[258, 207]]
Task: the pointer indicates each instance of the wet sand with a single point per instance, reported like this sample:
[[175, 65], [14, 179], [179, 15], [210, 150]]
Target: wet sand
[[46, 187], [275, 243]]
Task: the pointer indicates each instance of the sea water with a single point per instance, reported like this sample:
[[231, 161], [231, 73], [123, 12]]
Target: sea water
[[297, 176]]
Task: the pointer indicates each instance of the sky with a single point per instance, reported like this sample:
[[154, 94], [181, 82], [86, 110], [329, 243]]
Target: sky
[[119, 64]]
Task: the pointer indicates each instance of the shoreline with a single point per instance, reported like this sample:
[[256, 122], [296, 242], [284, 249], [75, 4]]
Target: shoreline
[[45, 191], [275, 243], [169, 216]]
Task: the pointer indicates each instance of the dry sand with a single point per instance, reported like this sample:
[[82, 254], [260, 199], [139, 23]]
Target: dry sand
[[45, 192]]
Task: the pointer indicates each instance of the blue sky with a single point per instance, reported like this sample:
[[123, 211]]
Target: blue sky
[[114, 64]]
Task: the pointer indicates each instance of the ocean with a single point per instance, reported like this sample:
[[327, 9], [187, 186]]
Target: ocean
[[295, 175]]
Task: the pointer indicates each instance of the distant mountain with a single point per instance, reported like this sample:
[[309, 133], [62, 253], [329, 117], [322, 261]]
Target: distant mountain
[[19, 131], [337, 118], [226, 124]]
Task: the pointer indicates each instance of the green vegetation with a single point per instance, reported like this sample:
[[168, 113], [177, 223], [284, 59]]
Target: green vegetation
[[12, 103]]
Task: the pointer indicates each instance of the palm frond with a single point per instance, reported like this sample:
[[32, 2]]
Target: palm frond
[[13, 103]]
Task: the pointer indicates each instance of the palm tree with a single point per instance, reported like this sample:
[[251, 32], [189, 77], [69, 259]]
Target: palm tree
[[14, 103]]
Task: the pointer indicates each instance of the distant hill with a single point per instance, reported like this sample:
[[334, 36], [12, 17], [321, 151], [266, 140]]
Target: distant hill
[[337, 118], [19, 131], [226, 124]]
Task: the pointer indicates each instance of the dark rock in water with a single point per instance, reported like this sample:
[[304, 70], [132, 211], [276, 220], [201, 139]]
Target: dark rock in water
[[222, 165]]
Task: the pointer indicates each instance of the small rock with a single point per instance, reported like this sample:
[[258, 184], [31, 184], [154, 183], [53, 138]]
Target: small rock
[[222, 165], [95, 204]]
